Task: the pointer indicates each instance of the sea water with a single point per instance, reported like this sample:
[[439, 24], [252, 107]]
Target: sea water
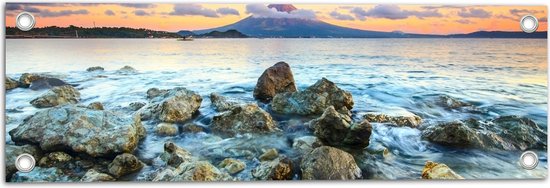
[[395, 76]]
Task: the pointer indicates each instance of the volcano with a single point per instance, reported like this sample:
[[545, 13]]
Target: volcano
[[297, 27]]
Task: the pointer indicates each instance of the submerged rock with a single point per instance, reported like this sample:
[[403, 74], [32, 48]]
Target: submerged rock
[[93, 132], [183, 167], [11, 83], [46, 83], [503, 133], [175, 105], [247, 118], [96, 68], [328, 163], [135, 106], [220, 103], [93, 175], [335, 129], [57, 96], [438, 171], [313, 100], [126, 70], [451, 103], [269, 155], [124, 164], [192, 128], [306, 144], [13, 151], [275, 79], [412, 121], [279, 168], [95, 106], [232, 166], [166, 129]]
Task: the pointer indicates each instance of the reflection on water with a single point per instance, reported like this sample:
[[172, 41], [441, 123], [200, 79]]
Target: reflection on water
[[499, 76]]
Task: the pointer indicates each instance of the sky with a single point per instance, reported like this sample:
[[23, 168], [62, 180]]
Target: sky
[[422, 19]]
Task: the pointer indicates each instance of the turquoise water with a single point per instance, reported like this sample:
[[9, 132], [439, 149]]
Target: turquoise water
[[499, 76]]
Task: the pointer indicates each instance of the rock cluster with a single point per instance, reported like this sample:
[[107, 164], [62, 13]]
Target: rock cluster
[[503, 133], [336, 129]]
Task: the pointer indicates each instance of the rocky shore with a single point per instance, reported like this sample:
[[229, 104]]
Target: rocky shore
[[73, 141]]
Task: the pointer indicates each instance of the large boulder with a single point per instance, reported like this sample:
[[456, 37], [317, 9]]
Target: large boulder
[[57, 96], [411, 120], [124, 164], [247, 118], [503, 133], [313, 100], [13, 151], [220, 103], [328, 163], [175, 105], [79, 129], [335, 129], [11, 83], [438, 171], [275, 79]]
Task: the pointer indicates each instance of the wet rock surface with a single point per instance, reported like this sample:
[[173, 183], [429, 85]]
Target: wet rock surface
[[313, 100], [124, 164], [412, 121], [328, 163], [46, 83], [78, 129], [220, 103], [135, 106], [39, 174], [504, 133], [306, 144], [11, 83], [434, 170], [335, 129], [247, 118], [275, 79], [166, 129], [95, 106], [175, 105], [55, 159], [57, 96]]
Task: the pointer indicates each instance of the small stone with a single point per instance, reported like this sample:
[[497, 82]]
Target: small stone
[[434, 170], [174, 155], [220, 103], [412, 121], [166, 129], [192, 128], [306, 144], [279, 168], [136, 105], [269, 155], [95, 106], [124, 164], [55, 159], [232, 166]]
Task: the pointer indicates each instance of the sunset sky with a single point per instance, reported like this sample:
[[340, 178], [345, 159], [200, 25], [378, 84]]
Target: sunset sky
[[387, 17]]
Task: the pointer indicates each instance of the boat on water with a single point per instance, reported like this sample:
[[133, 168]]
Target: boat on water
[[187, 38]]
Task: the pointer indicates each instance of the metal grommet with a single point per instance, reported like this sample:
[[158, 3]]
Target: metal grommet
[[25, 162], [529, 160], [25, 21], [529, 23]]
